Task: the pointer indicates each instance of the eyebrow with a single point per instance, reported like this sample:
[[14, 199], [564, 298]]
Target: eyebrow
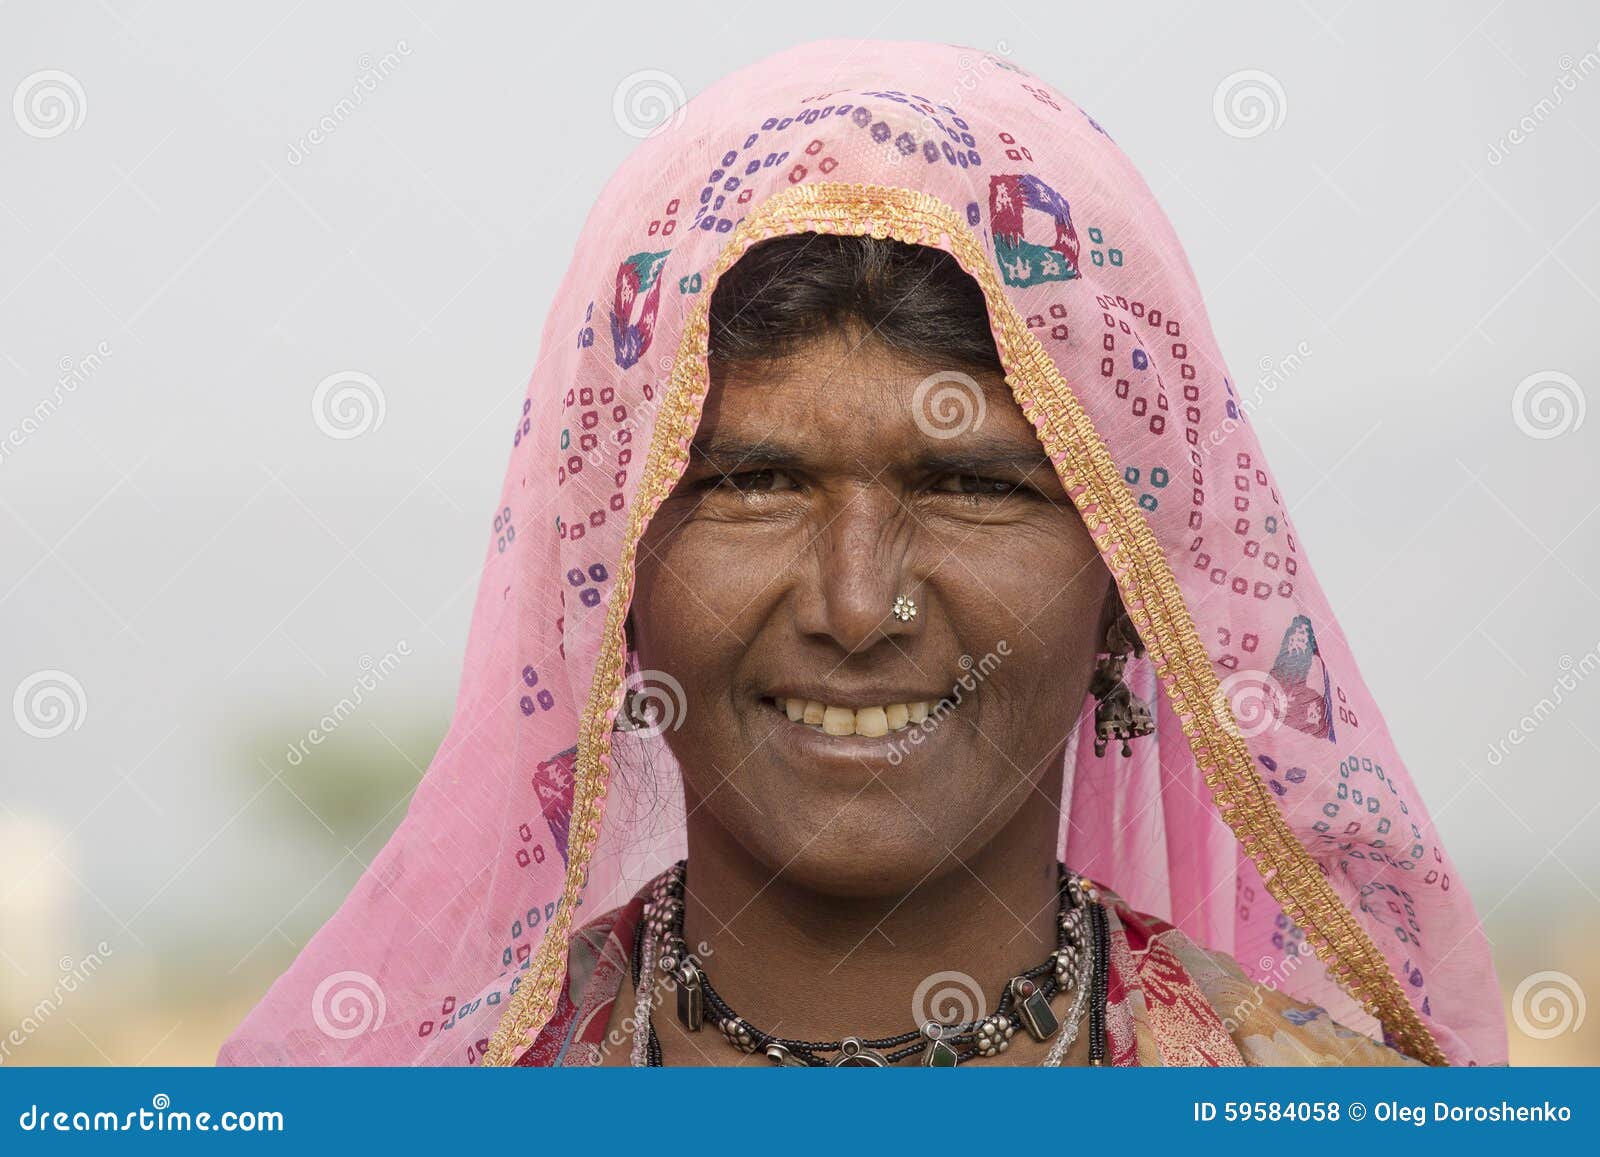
[[728, 454]]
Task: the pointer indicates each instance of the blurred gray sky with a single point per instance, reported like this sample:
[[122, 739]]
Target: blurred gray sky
[[212, 569]]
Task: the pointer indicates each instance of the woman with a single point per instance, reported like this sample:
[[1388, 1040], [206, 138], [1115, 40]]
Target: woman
[[885, 573]]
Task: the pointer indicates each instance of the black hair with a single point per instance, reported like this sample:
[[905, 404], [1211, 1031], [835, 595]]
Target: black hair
[[789, 290]]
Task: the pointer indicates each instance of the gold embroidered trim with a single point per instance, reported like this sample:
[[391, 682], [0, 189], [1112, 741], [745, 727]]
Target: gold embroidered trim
[[532, 1004], [1149, 589]]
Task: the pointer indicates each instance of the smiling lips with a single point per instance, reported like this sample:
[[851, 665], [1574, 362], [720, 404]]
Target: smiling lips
[[868, 721]]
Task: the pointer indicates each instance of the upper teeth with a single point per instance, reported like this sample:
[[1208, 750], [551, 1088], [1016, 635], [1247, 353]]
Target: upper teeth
[[870, 721]]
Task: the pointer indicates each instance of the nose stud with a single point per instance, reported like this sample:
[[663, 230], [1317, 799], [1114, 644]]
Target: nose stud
[[904, 609]]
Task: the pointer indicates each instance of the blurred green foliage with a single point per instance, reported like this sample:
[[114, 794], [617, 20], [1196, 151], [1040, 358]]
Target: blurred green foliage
[[354, 781]]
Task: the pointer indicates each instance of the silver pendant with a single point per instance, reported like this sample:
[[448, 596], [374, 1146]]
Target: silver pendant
[[783, 1058], [1034, 1009], [854, 1054], [691, 997], [938, 1054]]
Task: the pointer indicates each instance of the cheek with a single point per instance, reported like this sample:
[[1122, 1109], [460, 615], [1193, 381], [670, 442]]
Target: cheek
[[1036, 615], [1040, 687], [1029, 583], [677, 627], [707, 577], [688, 627]]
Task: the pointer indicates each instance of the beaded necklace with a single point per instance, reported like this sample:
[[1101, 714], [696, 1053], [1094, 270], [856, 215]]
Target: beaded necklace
[[1077, 965]]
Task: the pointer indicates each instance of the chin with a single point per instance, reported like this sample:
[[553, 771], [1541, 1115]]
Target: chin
[[867, 852]]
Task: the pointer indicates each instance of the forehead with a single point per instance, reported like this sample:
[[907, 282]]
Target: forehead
[[846, 394]]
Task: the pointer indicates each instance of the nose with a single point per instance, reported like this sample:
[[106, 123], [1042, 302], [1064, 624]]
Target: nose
[[857, 568]]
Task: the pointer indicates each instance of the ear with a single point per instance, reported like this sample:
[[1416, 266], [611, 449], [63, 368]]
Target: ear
[[1118, 635], [1110, 611]]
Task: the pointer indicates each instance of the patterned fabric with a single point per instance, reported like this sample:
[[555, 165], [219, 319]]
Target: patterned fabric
[[1269, 817], [1169, 1002]]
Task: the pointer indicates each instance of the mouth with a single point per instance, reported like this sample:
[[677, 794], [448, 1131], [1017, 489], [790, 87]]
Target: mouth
[[872, 722]]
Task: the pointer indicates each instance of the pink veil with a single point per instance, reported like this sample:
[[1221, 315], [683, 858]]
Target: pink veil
[[1270, 816]]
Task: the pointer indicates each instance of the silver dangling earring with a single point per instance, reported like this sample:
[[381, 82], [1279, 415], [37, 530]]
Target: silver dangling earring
[[1119, 714]]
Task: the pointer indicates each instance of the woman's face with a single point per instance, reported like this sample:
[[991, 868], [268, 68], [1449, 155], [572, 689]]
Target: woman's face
[[819, 489]]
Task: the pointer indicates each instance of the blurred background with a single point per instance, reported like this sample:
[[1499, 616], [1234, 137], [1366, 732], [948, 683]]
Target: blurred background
[[218, 220]]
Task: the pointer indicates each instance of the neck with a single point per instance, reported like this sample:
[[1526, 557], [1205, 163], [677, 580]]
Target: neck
[[810, 966]]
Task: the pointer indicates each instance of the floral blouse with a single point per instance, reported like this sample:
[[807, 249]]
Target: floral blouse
[[1169, 1002]]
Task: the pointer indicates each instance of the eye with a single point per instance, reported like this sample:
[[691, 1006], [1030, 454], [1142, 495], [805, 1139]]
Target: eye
[[753, 481], [977, 486]]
